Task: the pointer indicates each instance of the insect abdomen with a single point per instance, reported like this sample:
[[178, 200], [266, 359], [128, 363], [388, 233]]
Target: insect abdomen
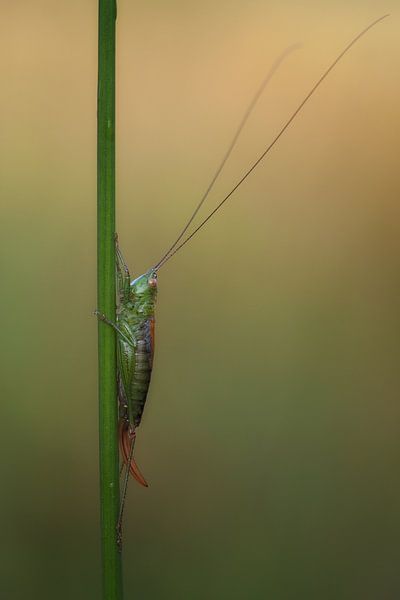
[[140, 380]]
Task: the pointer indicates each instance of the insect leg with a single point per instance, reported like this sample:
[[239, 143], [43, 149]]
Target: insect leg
[[102, 317], [124, 491], [123, 276]]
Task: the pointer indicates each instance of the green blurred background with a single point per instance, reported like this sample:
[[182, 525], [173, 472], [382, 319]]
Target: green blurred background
[[271, 434]]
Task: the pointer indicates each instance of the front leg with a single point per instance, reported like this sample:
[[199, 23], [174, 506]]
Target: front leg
[[103, 318], [123, 276]]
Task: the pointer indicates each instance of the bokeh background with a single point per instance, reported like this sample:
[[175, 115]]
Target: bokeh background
[[271, 433]]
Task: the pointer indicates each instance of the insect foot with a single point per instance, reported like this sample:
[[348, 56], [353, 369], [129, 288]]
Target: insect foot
[[102, 317], [99, 315], [119, 537]]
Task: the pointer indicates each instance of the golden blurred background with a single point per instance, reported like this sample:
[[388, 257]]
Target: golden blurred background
[[271, 434]]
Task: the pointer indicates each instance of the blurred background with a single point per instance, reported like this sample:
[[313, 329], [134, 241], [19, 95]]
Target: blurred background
[[271, 433]]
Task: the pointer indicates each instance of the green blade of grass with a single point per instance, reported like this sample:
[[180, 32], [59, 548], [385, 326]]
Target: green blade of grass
[[108, 410]]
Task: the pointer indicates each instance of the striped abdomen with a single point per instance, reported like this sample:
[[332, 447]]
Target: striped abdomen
[[142, 372]]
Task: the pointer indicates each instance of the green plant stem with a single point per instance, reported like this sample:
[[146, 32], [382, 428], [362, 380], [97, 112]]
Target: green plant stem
[[108, 410]]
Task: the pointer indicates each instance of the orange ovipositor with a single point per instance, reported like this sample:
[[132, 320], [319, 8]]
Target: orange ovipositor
[[125, 440]]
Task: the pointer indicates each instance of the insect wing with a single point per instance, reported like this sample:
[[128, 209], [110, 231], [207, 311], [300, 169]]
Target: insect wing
[[126, 360]]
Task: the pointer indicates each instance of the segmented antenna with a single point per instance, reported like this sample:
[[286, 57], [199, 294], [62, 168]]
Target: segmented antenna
[[282, 130], [246, 115]]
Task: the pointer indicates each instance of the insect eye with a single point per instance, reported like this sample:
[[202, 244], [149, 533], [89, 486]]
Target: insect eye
[[153, 282]]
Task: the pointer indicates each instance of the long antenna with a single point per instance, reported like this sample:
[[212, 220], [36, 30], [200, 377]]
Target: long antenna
[[246, 115], [283, 129]]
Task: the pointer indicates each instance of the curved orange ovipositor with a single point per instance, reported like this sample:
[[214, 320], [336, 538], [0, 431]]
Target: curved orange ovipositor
[[125, 441]]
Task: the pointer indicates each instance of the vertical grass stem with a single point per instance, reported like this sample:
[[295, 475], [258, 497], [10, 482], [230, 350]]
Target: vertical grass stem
[[108, 412]]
